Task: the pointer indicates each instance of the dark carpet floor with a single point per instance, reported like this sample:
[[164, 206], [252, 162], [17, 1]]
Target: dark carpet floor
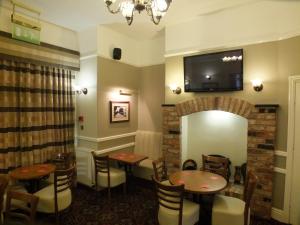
[[137, 207]]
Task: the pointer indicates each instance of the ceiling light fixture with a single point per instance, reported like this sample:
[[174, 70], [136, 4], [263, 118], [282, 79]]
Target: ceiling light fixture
[[156, 9]]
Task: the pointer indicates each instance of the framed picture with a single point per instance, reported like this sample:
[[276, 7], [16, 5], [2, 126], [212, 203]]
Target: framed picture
[[119, 112]]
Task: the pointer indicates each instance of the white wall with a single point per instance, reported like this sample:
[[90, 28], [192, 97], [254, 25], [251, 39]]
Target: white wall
[[109, 39], [50, 33], [259, 22], [215, 132], [151, 52], [88, 41], [134, 52]]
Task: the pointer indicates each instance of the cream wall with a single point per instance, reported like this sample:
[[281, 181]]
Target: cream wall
[[113, 76], [151, 97], [201, 129], [50, 33], [86, 105], [250, 23], [273, 62]]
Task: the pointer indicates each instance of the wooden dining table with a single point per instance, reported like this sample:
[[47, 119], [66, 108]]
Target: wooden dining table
[[203, 184], [127, 159], [32, 174]]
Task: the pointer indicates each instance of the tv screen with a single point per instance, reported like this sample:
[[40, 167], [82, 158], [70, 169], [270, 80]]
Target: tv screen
[[221, 71]]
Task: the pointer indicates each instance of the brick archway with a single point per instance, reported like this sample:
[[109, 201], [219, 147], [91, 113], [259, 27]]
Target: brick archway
[[261, 139]]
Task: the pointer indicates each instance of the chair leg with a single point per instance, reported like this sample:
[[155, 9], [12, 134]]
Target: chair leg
[[109, 195], [57, 218], [124, 188]]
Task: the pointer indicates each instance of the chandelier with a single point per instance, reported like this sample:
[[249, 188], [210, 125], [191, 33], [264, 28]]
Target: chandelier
[[156, 9]]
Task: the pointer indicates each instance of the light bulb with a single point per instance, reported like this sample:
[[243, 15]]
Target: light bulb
[[127, 8], [161, 5], [256, 82]]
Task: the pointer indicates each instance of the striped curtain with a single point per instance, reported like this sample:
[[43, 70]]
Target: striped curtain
[[36, 113]]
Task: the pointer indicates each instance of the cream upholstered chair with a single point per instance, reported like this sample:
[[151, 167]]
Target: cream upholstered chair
[[161, 171], [228, 210], [106, 176], [172, 208], [58, 196]]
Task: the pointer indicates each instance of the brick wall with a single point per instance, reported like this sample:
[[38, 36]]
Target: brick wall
[[261, 140]]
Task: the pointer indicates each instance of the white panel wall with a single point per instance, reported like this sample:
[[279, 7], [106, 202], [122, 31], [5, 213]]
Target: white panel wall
[[215, 132]]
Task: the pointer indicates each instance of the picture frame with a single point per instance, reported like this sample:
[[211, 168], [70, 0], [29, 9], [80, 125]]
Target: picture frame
[[119, 112]]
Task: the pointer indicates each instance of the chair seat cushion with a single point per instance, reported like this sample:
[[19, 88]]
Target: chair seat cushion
[[146, 163], [46, 201], [190, 214], [117, 177], [228, 210], [166, 182]]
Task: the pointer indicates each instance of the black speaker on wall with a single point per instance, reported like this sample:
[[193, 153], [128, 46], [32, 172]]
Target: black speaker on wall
[[117, 53]]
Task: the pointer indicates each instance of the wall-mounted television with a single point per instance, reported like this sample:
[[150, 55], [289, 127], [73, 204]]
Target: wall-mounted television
[[214, 72]]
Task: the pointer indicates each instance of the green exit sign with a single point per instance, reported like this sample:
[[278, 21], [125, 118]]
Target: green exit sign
[[23, 33]]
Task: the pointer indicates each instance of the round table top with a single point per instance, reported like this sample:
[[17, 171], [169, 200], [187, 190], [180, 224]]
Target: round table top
[[199, 182], [32, 172]]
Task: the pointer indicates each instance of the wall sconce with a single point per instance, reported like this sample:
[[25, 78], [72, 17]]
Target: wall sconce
[[125, 93], [175, 89], [79, 90], [257, 85]]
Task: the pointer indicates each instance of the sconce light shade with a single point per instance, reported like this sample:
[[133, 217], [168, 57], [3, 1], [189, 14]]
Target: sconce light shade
[[257, 85], [175, 89], [125, 93], [84, 91]]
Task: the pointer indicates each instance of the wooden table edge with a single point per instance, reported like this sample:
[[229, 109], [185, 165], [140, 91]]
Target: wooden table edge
[[203, 192]]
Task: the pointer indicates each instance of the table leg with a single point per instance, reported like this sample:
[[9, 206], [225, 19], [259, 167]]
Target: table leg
[[33, 186], [206, 203]]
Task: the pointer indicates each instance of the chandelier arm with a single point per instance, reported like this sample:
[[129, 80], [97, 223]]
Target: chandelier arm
[[113, 11], [155, 19], [130, 19]]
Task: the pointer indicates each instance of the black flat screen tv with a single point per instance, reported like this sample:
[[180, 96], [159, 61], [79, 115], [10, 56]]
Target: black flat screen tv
[[214, 72]]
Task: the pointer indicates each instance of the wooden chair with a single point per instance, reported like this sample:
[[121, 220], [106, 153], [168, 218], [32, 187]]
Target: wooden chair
[[217, 165], [58, 196], [25, 213], [63, 161], [106, 176], [233, 211], [161, 171], [189, 164], [172, 208]]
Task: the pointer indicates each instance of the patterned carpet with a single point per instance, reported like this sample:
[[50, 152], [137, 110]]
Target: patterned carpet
[[136, 208]]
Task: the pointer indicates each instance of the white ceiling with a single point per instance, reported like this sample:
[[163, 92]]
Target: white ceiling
[[81, 14]]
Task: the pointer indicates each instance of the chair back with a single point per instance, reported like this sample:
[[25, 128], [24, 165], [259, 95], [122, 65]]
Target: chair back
[[64, 160], [189, 164], [217, 165], [250, 185], [26, 212], [160, 169], [101, 166], [63, 180], [170, 197], [3, 186]]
